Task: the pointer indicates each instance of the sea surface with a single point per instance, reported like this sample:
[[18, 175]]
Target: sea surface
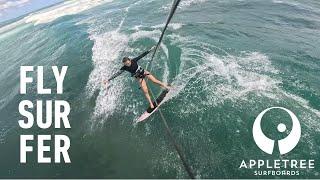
[[227, 60]]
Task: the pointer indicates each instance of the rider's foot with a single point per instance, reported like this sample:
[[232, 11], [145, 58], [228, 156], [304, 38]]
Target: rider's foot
[[151, 108], [166, 87]]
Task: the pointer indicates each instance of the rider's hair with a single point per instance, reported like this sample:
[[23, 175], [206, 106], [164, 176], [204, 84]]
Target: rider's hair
[[125, 59]]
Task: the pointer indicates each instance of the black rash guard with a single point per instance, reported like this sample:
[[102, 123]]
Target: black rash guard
[[133, 69]]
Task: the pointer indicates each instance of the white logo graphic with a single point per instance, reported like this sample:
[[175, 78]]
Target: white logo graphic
[[285, 145]]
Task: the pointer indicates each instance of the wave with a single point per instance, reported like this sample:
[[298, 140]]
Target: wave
[[245, 77], [106, 50], [222, 77], [50, 14], [241, 75], [66, 8], [184, 4], [310, 6], [225, 77], [174, 26], [11, 26]]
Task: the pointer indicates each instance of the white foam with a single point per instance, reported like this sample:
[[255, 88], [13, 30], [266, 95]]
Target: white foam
[[237, 76], [180, 83], [141, 34], [11, 26], [188, 3], [154, 34], [3, 134], [222, 76], [311, 117], [174, 26], [230, 78], [297, 4], [106, 52], [184, 4], [126, 9], [66, 8], [165, 50], [165, 73], [277, 1]]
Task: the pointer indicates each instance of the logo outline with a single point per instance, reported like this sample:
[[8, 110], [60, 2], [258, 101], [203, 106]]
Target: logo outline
[[286, 144]]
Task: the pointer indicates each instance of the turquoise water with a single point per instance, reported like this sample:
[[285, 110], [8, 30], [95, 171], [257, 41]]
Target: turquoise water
[[228, 61]]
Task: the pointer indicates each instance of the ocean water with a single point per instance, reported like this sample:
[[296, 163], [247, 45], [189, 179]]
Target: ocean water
[[227, 61]]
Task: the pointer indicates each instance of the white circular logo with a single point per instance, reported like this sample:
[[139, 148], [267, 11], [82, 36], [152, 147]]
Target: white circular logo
[[285, 145]]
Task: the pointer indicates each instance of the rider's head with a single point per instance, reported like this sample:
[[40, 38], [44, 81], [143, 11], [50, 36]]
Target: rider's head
[[126, 61]]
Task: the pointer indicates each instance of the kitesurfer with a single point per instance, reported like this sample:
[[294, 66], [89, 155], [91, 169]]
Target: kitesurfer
[[131, 65]]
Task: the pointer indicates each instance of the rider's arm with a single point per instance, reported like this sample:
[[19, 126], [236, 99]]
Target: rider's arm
[[116, 74], [143, 54]]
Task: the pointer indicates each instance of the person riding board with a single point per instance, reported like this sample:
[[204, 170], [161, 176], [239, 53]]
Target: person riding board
[[131, 65]]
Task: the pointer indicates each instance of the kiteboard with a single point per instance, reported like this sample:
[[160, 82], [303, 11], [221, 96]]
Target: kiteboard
[[149, 111]]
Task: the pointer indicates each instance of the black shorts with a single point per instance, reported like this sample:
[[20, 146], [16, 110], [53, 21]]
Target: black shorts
[[140, 74]]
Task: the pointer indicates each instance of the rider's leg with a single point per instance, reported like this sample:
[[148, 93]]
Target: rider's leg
[[144, 88], [155, 80]]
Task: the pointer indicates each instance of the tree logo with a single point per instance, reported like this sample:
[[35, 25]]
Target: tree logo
[[285, 145]]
